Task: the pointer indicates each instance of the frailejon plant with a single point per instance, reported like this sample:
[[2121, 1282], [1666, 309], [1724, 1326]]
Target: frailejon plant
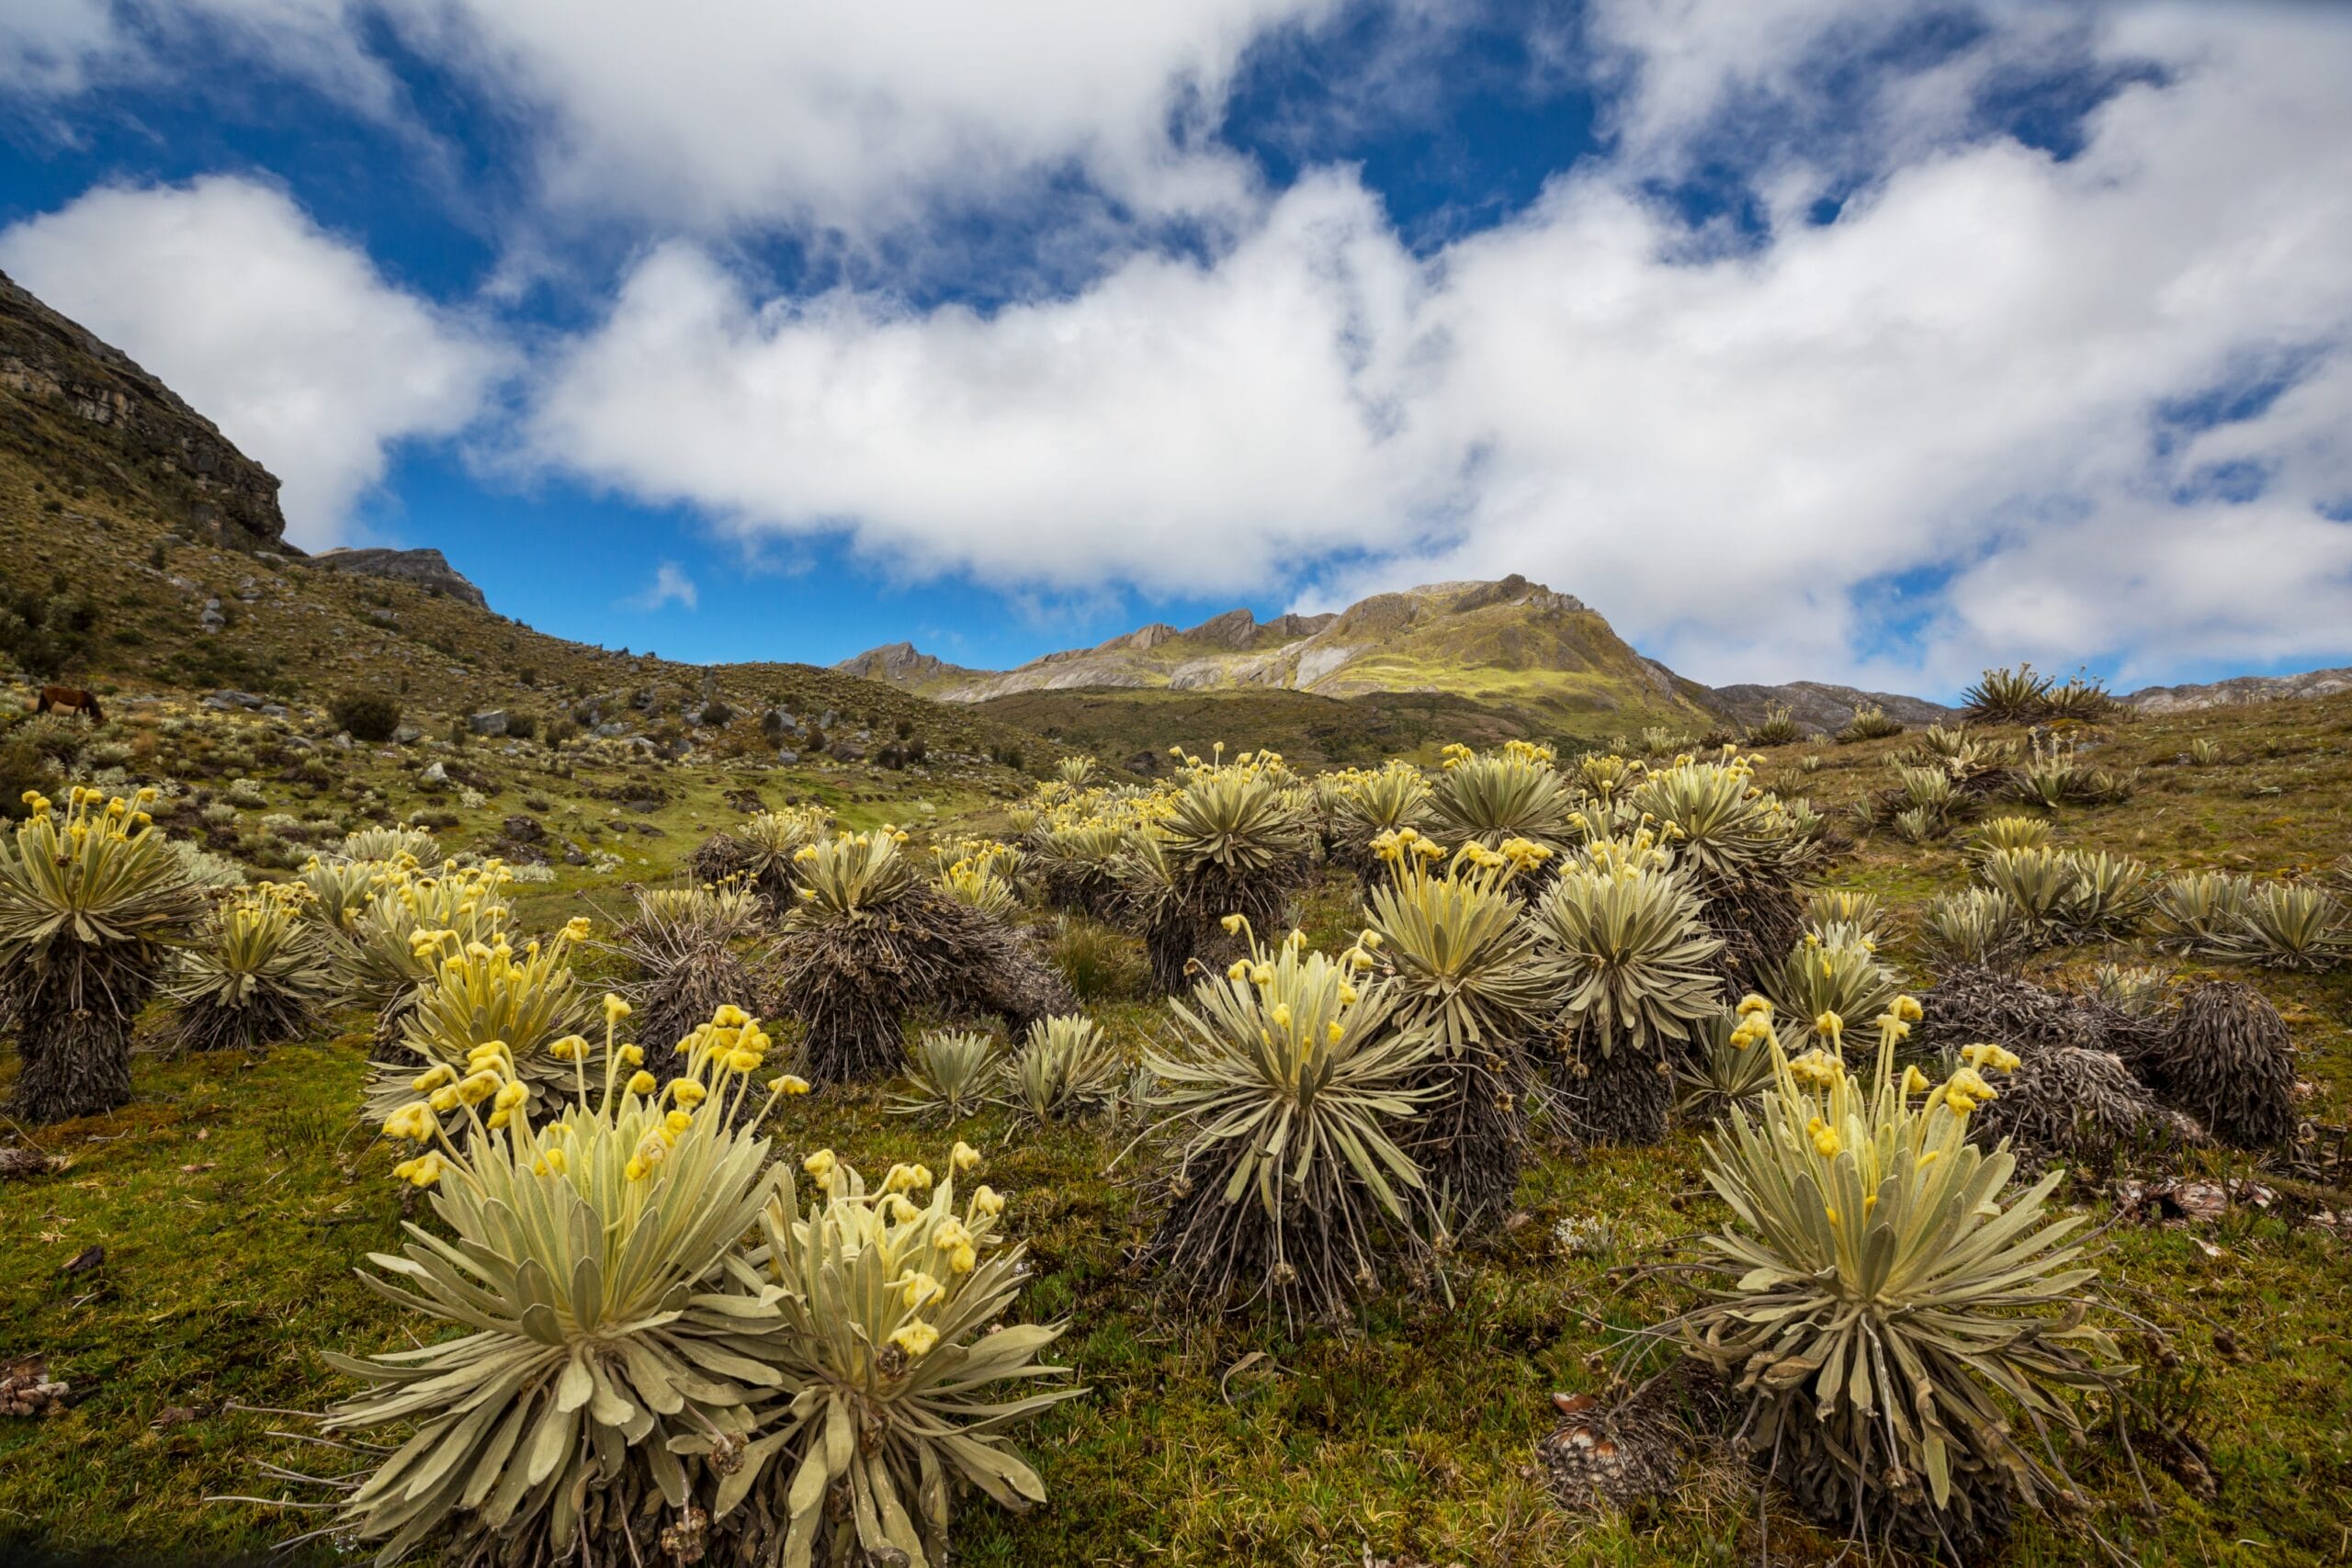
[[1276, 1124], [386, 964], [489, 1007], [2292, 925], [1729, 1068], [680, 949], [1496, 797], [1372, 803], [1870, 722], [2010, 833], [2008, 696], [1823, 982], [1777, 727], [1065, 1068], [1234, 841], [612, 1366], [900, 1380], [1909, 1334], [2043, 887], [1721, 826], [1865, 911], [950, 1074], [2198, 913], [870, 940], [1463, 967], [2112, 893], [1629, 958], [91, 903], [340, 889], [387, 845], [761, 854], [1977, 928], [257, 973]]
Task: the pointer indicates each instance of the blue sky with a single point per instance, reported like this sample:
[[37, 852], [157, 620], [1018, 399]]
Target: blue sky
[[1804, 338]]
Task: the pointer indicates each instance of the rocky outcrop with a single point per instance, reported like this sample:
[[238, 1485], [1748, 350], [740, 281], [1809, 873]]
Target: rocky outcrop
[[2240, 689], [53, 369], [428, 570], [901, 664], [1817, 706]]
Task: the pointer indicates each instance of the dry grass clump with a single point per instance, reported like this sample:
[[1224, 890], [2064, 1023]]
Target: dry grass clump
[[2228, 1061], [2081, 1107]]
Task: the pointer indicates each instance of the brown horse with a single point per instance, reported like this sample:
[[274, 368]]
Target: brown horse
[[70, 699]]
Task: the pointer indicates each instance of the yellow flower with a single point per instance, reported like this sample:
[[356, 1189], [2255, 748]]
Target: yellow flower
[[636, 1169], [1752, 1003], [1914, 1081], [423, 1171], [1907, 1009], [1969, 1082], [729, 1016], [962, 1260], [963, 1157], [1239, 971], [920, 1291], [743, 1061], [1993, 1056], [788, 1084], [642, 1083], [1829, 1024], [557, 1161], [1281, 1015], [569, 1048], [433, 1078], [916, 1338], [513, 1095], [820, 1163], [499, 1119], [577, 929], [907, 1178], [615, 1010], [445, 1098], [949, 1235], [1262, 975], [631, 1055], [679, 1121], [988, 1200], [413, 1122], [475, 1087], [687, 1091], [900, 1210], [1232, 924]]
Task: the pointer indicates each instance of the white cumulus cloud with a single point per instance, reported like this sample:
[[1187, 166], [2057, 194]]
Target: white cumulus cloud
[[284, 335], [670, 585], [1930, 433]]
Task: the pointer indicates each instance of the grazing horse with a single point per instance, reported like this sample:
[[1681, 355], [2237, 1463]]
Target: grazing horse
[[70, 699]]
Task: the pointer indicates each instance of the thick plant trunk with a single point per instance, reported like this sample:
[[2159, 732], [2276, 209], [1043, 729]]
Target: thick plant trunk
[[1623, 1097], [77, 1063], [1471, 1139]]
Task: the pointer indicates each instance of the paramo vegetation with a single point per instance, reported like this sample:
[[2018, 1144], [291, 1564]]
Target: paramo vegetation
[[1310, 1050]]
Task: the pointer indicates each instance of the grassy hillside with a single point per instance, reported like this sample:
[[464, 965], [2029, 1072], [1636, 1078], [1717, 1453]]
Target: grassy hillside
[[1126, 726], [100, 591], [236, 1196]]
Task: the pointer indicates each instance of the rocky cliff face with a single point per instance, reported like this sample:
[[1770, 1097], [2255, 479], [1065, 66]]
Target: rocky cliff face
[[67, 401], [427, 569]]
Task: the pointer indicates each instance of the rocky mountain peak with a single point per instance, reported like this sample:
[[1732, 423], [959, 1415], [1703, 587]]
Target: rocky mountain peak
[[429, 569]]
